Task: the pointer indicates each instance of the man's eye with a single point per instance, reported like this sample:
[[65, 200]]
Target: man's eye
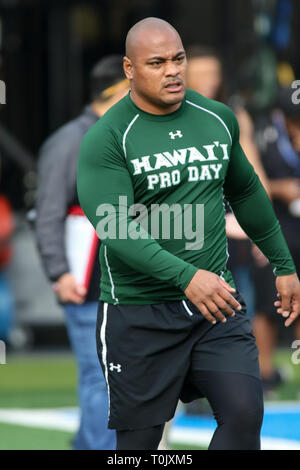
[[155, 63], [180, 59]]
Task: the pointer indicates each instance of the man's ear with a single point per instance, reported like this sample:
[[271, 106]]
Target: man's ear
[[128, 69]]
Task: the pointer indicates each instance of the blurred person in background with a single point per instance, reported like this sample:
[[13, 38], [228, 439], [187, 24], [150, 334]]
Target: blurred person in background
[[68, 244], [206, 76], [278, 137]]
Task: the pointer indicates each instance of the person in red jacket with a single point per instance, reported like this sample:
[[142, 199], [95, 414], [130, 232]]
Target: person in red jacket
[[6, 250], [6, 231]]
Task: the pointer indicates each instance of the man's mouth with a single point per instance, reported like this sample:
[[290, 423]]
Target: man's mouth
[[175, 86]]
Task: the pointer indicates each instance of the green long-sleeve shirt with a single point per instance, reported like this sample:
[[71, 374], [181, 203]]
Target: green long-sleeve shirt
[[133, 164]]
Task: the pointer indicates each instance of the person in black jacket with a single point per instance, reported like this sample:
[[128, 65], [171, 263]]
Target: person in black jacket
[[59, 219], [278, 136]]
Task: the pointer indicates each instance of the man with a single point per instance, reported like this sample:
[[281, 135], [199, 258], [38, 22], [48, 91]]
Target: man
[[170, 323], [57, 203]]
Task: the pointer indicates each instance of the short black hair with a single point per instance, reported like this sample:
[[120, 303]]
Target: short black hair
[[105, 73]]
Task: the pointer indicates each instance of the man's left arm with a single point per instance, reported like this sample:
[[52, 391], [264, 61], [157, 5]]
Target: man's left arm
[[255, 214]]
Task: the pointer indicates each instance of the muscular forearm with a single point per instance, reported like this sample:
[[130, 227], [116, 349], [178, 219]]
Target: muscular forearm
[[147, 256]]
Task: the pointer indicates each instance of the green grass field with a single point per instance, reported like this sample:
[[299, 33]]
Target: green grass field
[[36, 382], [49, 381], [14, 437]]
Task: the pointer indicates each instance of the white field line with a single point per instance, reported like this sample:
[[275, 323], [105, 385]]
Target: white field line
[[67, 419], [64, 419]]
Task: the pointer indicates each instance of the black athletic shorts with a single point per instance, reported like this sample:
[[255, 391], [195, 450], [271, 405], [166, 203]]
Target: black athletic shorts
[[148, 354]]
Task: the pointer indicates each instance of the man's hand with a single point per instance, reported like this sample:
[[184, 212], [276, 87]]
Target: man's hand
[[68, 290], [288, 305], [211, 294]]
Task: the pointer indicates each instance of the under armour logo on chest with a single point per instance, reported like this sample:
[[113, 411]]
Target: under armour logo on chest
[[175, 134], [113, 367]]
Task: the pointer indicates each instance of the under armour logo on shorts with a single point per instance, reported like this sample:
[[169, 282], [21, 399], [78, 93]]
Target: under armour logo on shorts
[[175, 134], [113, 367]]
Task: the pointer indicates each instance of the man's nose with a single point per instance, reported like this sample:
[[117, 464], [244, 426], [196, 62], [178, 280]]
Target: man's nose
[[171, 69]]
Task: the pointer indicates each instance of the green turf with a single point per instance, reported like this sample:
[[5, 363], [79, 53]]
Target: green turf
[[186, 447], [24, 438], [38, 382], [290, 389]]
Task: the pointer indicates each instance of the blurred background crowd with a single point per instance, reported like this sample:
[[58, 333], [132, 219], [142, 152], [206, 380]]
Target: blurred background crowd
[[244, 53]]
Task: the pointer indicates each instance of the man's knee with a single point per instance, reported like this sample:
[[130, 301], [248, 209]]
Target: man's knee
[[246, 415]]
